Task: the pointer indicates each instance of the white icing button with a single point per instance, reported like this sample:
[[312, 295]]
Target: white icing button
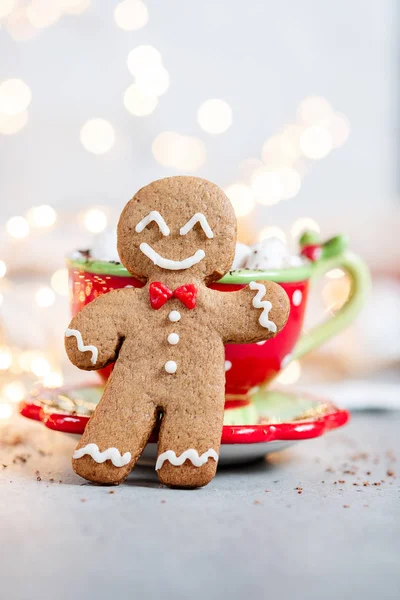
[[173, 339], [286, 360], [174, 316], [228, 365], [170, 366], [297, 297]]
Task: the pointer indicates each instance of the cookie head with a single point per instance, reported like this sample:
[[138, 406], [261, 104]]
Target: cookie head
[[182, 224]]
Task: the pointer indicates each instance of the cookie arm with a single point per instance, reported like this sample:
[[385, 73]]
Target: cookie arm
[[255, 313], [94, 336]]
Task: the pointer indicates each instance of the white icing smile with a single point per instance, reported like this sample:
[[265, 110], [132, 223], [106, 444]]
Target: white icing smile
[[171, 265]]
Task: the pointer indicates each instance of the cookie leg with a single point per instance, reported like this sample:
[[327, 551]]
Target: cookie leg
[[116, 434], [188, 446]]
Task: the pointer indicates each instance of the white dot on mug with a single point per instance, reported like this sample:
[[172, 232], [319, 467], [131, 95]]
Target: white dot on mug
[[297, 297], [228, 365]]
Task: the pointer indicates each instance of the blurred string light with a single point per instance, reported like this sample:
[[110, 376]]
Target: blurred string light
[[272, 231], [18, 227], [131, 15], [24, 21], [214, 116], [45, 297], [43, 13], [59, 282], [241, 197], [14, 391], [335, 293], [5, 359], [15, 96], [6, 7], [290, 374], [9, 125], [42, 216], [53, 379], [316, 142], [3, 268], [335, 274], [138, 103], [151, 80], [40, 366], [97, 136], [5, 411], [177, 151], [95, 220], [303, 224]]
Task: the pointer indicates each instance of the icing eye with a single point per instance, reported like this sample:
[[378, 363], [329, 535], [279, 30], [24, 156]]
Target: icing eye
[[154, 215], [197, 218]]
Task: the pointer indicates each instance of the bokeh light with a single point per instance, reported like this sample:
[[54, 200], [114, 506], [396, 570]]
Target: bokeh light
[[9, 125], [172, 149], [18, 227], [314, 109], [153, 82], [303, 224], [335, 293], [137, 103], [40, 366], [43, 13], [291, 181], [19, 27], [14, 391], [339, 128], [74, 7], [95, 220], [143, 58], [335, 274], [290, 374], [42, 216], [15, 96], [316, 142], [5, 411], [45, 297], [131, 15], [5, 359], [97, 136], [214, 116], [59, 282], [272, 231], [6, 7], [241, 197], [268, 187], [3, 268], [53, 379]]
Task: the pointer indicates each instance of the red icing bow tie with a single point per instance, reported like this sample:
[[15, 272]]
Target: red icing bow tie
[[160, 293]]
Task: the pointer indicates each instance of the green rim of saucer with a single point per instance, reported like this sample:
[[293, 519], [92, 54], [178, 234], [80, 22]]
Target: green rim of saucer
[[241, 276]]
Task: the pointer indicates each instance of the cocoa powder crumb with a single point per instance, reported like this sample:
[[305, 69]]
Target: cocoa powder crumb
[[342, 481], [83, 499], [256, 502], [38, 478], [390, 473], [111, 492], [346, 505]]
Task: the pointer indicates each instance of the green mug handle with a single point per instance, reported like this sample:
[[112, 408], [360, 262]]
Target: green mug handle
[[335, 255]]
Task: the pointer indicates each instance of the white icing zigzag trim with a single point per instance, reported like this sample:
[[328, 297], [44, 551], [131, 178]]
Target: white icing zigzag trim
[[112, 454], [81, 346], [191, 454], [264, 304], [154, 215], [171, 265], [197, 218]]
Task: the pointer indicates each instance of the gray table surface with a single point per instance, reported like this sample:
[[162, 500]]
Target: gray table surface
[[248, 534]]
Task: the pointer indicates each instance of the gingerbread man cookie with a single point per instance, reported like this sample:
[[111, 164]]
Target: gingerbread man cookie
[[167, 339]]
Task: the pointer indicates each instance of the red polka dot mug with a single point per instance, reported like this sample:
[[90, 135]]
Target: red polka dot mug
[[252, 365]]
